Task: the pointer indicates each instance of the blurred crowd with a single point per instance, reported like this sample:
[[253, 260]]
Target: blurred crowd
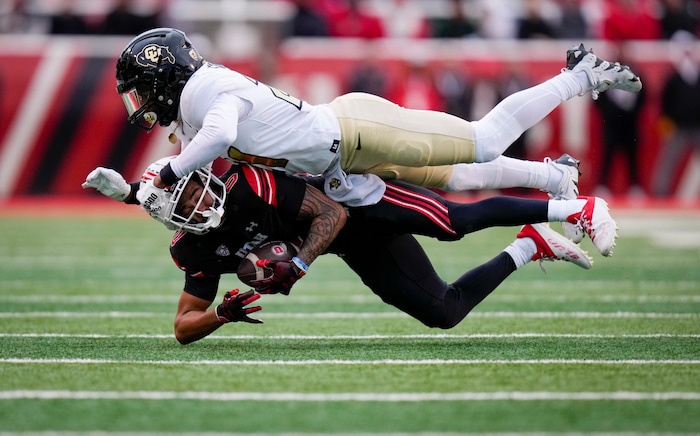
[[527, 19], [515, 19], [450, 89]]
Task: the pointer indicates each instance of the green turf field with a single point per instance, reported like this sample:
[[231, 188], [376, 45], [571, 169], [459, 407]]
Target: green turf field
[[86, 345]]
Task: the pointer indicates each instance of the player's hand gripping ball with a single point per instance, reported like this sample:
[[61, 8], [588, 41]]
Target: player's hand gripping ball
[[272, 268]]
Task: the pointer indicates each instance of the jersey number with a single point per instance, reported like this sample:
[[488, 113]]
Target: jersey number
[[236, 154], [286, 97]]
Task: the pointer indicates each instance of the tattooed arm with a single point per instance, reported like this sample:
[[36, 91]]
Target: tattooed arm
[[327, 218]]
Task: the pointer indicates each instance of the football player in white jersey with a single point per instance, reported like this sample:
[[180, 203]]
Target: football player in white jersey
[[355, 141]]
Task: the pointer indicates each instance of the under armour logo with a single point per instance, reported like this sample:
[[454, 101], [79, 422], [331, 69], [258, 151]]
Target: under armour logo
[[251, 227], [335, 146]]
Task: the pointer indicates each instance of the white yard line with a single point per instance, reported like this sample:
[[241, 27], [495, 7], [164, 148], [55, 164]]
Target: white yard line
[[359, 337], [364, 299], [314, 362], [354, 396], [364, 315]]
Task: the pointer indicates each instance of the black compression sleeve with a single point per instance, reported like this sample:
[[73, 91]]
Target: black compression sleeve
[[131, 198], [168, 175]]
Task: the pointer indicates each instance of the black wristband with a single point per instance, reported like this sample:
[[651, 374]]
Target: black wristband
[[131, 198], [167, 175]]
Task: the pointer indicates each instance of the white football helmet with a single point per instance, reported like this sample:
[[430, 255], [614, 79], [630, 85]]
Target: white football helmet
[[172, 214]]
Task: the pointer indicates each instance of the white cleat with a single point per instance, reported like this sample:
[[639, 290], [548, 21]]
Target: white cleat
[[553, 246], [595, 220], [602, 74], [567, 190]]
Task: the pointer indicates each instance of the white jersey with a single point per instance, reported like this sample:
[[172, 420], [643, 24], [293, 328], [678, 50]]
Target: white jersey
[[227, 114]]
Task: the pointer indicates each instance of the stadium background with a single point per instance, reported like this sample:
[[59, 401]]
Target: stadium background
[[60, 115]]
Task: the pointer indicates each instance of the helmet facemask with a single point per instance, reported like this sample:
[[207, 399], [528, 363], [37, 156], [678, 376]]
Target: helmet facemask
[[140, 108], [196, 204]]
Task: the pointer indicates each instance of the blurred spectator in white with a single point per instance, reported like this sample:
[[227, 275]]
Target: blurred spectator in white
[[457, 24], [630, 19], [678, 15], [67, 22], [572, 23], [620, 124], [680, 112], [403, 19], [532, 23], [497, 18], [306, 21]]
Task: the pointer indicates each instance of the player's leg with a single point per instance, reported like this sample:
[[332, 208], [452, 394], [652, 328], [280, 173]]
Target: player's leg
[[376, 131], [590, 213], [557, 177], [584, 72], [399, 271]]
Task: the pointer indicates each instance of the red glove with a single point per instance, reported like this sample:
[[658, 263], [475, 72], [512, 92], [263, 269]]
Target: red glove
[[233, 307], [284, 274]]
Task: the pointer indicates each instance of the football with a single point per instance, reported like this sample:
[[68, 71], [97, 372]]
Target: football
[[249, 272]]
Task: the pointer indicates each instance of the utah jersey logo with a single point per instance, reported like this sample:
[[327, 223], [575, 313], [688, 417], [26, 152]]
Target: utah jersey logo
[[153, 54], [223, 251]]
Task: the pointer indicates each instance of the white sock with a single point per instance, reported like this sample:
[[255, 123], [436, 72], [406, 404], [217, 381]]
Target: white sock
[[503, 172], [559, 210], [518, 112], [521, 251]]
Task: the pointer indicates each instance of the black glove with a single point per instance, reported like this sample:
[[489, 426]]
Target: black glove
[[233, 308], [284, 274]]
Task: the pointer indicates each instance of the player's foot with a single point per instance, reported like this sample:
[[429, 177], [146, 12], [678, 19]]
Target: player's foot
[[567, 190], [595, 220], [553, 246], [568, 187], [602, 74]]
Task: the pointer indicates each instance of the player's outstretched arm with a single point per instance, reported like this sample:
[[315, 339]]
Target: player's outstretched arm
[[111, 184], [194, 320]]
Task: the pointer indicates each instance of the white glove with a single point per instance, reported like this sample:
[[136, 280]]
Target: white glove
[[109, 182], [152, 199]]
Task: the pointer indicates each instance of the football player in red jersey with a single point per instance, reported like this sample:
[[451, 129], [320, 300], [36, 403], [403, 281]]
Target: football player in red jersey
[[219, 220]]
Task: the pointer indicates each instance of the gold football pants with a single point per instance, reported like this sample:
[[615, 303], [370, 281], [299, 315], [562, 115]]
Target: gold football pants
[[383, 138]]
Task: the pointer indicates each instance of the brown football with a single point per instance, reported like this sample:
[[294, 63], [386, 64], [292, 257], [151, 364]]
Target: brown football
[[248, 271]]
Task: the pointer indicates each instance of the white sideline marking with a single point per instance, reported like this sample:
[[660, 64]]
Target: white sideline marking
[[357, 337], [356, 362], [359, 396], [364, 299], [361, 315]]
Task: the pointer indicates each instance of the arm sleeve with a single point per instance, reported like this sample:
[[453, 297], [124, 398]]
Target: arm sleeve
[[219, 130]]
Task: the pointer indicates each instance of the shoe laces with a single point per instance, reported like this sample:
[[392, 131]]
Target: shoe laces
[[542, 261], [587, 223]]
